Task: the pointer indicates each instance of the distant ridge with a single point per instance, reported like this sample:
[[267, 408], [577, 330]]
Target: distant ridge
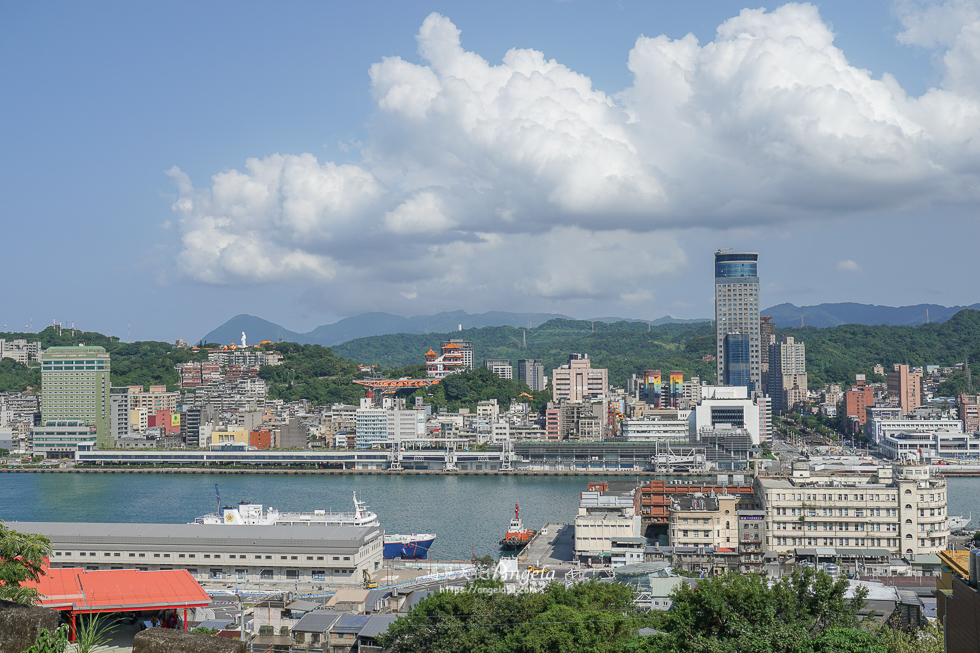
[[829, 315], [380, 324]]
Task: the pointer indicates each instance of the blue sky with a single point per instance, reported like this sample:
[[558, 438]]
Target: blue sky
[[169, 165]]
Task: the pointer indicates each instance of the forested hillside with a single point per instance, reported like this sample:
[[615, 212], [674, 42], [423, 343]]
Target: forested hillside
[[137, 363], [625, 348], [324, 375], [833, 354], [836, 354]]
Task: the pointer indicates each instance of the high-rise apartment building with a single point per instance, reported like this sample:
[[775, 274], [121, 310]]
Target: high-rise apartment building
[[120, 409], [578, 380], [906, 387], [531, 372], [499, 366], [75, 386], [739, 358], [767, 336], [20, 350], [856, 401], [969, 412], [787, 373]]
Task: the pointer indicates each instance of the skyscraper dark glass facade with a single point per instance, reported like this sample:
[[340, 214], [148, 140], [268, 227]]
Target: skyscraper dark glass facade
[[737, 319]]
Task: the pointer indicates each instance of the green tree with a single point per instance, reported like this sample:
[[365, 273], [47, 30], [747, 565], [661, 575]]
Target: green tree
[[745, 612], [201, 630], [21, 559], [927, 640], [588, 617]]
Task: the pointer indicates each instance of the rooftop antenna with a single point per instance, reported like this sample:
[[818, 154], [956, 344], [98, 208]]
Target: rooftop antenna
[[524, 336]]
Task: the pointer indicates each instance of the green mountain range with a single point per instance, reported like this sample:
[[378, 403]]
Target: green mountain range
[[319, 374], [834, 355]]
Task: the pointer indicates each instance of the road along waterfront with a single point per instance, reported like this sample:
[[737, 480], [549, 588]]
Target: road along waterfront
[[468, 513]]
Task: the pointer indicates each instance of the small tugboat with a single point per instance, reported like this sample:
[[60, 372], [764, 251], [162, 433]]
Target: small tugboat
[[517, 535]]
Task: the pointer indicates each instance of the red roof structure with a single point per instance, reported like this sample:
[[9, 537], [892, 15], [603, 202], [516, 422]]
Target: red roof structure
[[109, 590], [79, 591]]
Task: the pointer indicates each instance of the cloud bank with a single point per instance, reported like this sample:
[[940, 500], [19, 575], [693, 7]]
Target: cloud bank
[[518, 183]]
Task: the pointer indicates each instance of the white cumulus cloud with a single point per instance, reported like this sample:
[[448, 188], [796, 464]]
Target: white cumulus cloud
[[519, 180], [848, 265]]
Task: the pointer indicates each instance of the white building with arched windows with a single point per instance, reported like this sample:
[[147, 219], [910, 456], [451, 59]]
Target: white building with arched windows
[[901, 509]]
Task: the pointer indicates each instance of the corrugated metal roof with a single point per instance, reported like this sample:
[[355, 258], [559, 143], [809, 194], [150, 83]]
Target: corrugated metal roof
[[202, 534], [350, 623], [377, 625], [317, 622], [83, 590]]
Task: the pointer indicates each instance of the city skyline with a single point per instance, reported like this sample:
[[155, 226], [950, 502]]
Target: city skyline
[[309, 163]]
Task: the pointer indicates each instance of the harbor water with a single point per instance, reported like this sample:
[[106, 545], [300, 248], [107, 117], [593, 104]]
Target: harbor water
[[469, 514]]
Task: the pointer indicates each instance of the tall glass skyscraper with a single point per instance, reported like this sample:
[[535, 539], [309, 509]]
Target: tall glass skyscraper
[[739, 360]]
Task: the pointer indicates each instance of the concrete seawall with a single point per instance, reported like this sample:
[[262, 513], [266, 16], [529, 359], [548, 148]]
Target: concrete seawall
[[334, 472]]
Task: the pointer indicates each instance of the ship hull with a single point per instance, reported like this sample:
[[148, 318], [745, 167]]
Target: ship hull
[[408, 548], [514, 544]]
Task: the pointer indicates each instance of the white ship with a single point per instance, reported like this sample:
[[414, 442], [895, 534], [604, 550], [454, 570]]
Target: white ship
[[955, 523], [246, 513]]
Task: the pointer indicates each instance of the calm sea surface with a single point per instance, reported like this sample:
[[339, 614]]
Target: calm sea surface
[[467, 513]]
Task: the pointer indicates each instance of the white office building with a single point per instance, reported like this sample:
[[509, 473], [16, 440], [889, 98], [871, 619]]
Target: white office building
[[929, 445], [882, 424], [500, 367], [382, 427], [727, 407], [601, 519], [657, 429]]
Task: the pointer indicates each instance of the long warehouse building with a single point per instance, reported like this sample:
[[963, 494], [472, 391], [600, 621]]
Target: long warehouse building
[[331, 555]]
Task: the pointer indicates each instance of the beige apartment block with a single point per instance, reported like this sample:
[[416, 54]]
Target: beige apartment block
[[578, 380], [901, 509], [906, 387], [704, 520], [601, 519]]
